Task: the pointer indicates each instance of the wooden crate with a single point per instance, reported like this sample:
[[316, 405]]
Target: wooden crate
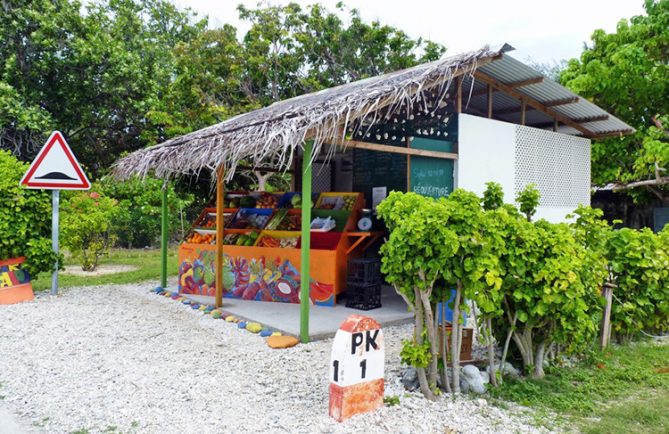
[[467, 342]]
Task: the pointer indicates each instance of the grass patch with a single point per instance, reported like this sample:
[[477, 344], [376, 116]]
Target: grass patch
[[147, 262], [624, 389]]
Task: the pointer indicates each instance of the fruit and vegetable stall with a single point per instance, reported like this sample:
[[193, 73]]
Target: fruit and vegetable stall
[[261, 253]]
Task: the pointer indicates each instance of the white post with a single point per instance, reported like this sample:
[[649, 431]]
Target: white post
[[55, 200]]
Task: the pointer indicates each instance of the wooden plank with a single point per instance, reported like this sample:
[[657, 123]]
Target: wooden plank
[[614, 134], [458, 95], [606, 321], [556, 124], [220, 223], [521, 83], [533, 103], [490, 96], [398, 150], [523, 107], [512, 110]]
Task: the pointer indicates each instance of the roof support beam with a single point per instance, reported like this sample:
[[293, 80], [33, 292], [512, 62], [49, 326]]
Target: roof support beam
[[597, 118], [521, 83], [523, 106], [532, 103], [398, 150], [564, 101], [490, 94]]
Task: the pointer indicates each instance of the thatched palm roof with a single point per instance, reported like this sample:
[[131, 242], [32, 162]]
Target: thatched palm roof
[[273, 134]]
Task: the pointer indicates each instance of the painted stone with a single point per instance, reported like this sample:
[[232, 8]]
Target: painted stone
[[277, 334], [185, 301], [175, 297], [284, 342], [202, 307], [254, 327], [241, 324], [157, 289], [216, 314], [167, 294], [265, 333], [230, 318], [195, 305], [356, 368]]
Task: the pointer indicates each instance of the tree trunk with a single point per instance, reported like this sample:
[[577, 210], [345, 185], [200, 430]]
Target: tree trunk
[[539, 361], [433, 368], [444, 345], [506, 344], [491, 352], [455, 344], [422, 378]]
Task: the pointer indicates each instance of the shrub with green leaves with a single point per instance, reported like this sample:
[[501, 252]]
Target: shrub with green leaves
[[25, 218], [86, 228], [137, 217]]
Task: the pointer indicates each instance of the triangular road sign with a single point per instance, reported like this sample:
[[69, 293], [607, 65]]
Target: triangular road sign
[[56, 168]]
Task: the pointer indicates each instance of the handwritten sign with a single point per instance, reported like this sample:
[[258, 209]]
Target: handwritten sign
[[356, 368]]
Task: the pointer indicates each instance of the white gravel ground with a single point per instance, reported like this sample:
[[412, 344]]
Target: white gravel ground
[[119, 359]]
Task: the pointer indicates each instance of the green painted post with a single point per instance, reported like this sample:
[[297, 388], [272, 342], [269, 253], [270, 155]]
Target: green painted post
[[163, 245], [305, 277]]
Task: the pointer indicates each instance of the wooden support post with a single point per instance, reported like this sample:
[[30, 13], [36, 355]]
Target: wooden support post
[[220, 222], [164, 238], [490, 93], [606, 321], [523, 110], [305, 249], [458, 94], [555, 125]]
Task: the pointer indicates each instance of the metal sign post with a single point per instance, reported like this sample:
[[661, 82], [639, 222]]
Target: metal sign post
[[55, 205], [55, 168]]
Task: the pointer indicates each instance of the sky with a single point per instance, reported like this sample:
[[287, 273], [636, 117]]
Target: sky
[[545, 31]]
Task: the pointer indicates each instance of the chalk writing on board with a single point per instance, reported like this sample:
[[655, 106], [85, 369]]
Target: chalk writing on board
[[430, 190]]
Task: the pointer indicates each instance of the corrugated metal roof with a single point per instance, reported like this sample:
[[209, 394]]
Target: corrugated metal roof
[[508, 70]]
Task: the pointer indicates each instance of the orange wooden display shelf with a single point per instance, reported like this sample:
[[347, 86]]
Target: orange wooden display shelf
[[272, 274]]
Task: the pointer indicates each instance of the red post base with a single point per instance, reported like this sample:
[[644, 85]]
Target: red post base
[[359, 398]]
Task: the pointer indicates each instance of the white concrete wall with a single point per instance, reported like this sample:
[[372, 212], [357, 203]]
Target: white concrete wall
[[515, 156], [487, 152]]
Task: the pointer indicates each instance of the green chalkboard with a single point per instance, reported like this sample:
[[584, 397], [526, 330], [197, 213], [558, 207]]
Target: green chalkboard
[[378, 169], [431, 176]]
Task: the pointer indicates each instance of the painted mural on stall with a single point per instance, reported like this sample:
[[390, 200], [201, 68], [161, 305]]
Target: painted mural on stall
[[262, 279]]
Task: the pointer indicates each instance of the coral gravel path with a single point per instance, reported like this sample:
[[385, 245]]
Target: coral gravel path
[[120, 359]]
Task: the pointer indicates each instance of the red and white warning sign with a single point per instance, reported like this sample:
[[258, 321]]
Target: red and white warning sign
[[56, 168], [356, 368]]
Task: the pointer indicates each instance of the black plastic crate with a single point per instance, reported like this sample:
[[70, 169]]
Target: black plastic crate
[[364, 271], [363, 297]]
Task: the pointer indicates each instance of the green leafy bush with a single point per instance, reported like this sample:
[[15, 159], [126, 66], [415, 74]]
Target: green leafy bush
[[86, 228], [25, 218], [137, 217]]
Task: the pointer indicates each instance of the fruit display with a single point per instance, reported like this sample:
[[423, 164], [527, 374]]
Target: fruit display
[[343, 202], [280, 242], [198, 238], [240, 201], [247, 239], [291, 222], [230, 239], [349, 203], [209, 223], [246, 219], [294, 202], [267, 200]]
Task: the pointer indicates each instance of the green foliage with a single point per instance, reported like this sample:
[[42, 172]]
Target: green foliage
[[391, 400], [636, 262], [639, 264], [623, 381], [132, 73], [137, 216], [414, 354], [493, 196], [25, 218], [86, 227], [528, 200], [635, 56]]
